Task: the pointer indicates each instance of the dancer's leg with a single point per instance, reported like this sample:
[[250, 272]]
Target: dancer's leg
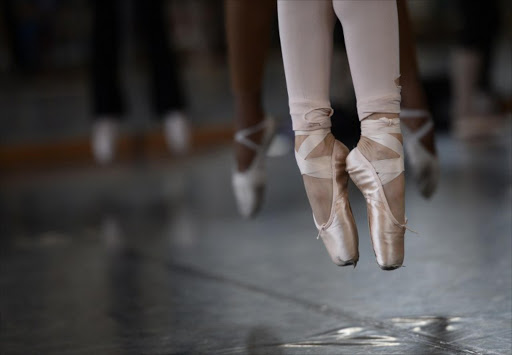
[[370, 28], [415, 116], [476, 112], [106, 91], [306, 30], [413, 94], [167, 92], [105, 84], [248, 25], [166, 86], [376, 166]]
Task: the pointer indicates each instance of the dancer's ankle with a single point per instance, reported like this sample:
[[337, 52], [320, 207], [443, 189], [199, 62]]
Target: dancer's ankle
[[248, 113], [416, 123], [323, 148], [374, 151], [318, 188]]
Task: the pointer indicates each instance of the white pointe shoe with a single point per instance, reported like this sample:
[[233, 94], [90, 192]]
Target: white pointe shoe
[[177, 132], [105, 131], [249, 185], [424, 165]]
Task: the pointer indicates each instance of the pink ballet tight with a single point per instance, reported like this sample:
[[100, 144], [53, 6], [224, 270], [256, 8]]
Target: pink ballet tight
[[371, 36]]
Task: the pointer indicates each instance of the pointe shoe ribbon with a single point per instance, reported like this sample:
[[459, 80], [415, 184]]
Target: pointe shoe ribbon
[[387, 169], [424, 164], [406, 114], [319, 167], [267, 124]]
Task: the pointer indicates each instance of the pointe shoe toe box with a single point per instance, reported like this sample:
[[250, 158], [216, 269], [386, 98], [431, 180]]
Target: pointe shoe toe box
[[387, 240], [340, 237]]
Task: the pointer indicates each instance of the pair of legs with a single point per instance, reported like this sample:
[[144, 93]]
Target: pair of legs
[[248, 26], [376, 166], [106, 38], [107, 96]]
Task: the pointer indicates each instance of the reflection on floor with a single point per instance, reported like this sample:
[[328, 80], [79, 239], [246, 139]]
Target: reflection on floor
[[153, 259]]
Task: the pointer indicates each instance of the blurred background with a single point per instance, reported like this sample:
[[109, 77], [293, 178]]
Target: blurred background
[[47, 67], [142, 250]]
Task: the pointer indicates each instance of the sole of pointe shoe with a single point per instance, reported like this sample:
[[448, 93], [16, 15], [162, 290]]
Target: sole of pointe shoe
[[390, 267], [347, 263]]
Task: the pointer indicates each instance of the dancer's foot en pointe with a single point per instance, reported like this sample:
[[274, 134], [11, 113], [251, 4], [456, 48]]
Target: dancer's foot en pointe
[[249, 176], [105, 131], [321, 160], [376, 166], [420, 150]]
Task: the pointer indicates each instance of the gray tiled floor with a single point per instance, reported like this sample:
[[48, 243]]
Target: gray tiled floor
[[153, 259]]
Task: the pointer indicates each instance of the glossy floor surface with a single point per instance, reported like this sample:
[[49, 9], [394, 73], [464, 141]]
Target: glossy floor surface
[[152, 258]]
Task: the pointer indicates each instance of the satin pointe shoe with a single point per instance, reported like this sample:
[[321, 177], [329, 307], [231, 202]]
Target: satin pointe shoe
[[105, 131], [386, 231], [177, 132], [321, 160], [423, 163], [249, 185]]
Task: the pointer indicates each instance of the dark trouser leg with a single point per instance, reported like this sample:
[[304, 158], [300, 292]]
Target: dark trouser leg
[[166, 89], [106, 92], [480, 24]]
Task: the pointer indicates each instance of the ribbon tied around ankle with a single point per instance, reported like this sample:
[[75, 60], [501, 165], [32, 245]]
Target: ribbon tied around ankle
[[380, 131], [319, 167]]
